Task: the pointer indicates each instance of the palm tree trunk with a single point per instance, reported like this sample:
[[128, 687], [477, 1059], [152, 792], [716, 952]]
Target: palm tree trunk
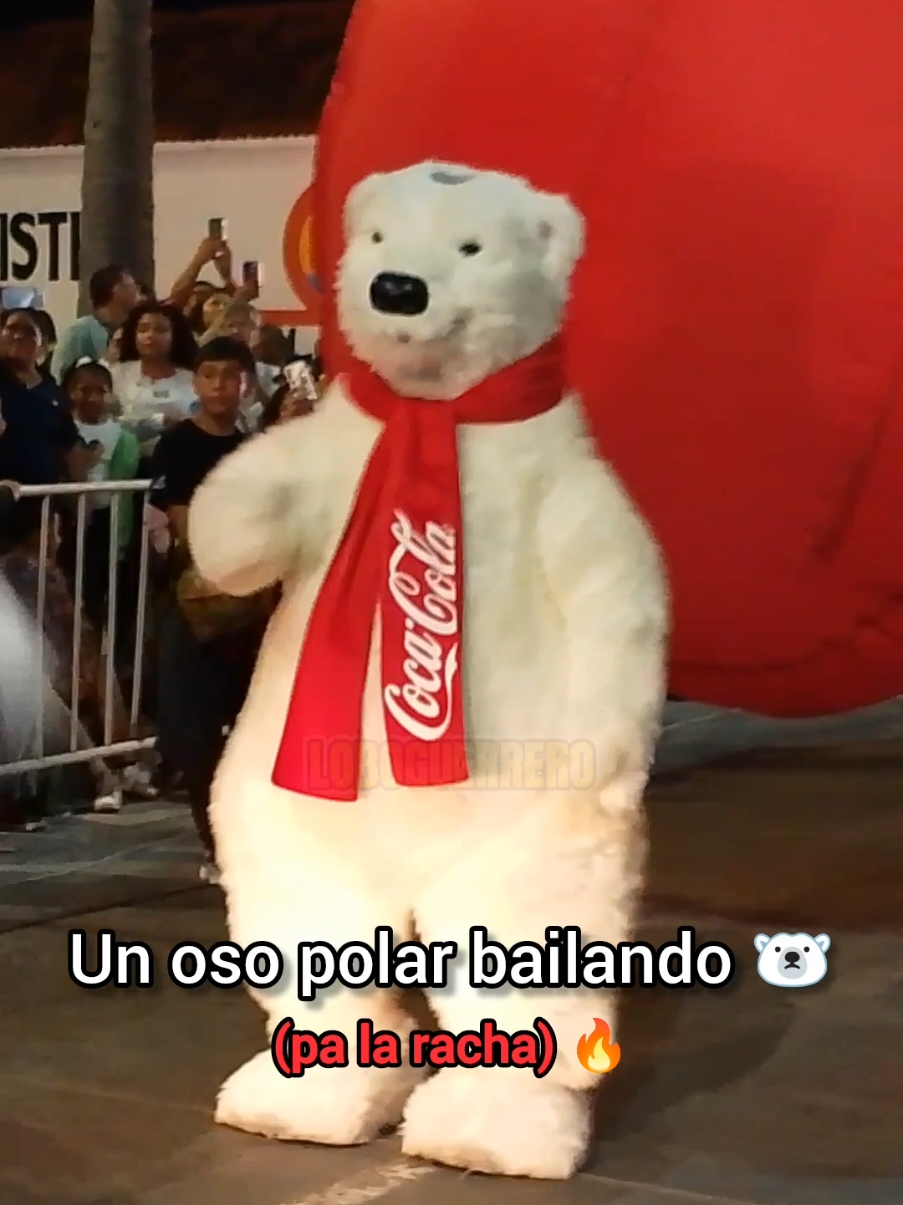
[[117, 223]]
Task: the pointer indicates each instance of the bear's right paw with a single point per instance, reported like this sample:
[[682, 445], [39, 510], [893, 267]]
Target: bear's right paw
[[497, 1122], [335, 1106]]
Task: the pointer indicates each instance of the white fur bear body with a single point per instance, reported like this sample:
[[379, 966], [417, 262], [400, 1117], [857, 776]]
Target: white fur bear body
[[564, 641]]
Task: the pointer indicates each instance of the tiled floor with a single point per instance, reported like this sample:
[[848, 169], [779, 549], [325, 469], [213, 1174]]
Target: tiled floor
[[747, 1096]]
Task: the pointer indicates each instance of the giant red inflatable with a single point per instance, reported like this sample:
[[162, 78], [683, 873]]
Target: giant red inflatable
[[737, 323]]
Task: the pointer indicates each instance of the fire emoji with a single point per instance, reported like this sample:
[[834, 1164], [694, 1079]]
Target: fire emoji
[[597, 1052]]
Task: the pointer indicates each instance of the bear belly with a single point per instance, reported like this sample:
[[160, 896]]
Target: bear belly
[[514, 689]]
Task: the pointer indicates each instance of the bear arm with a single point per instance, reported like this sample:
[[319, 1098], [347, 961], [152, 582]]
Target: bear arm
[[607, 579], [258, 515]]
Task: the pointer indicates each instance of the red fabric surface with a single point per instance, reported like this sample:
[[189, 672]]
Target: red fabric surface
[[736, 329]]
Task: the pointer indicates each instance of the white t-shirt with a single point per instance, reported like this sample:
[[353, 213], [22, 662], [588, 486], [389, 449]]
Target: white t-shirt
[[146, 401], [107, 434]]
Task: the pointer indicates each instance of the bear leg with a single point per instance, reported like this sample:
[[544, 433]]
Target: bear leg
[[307, 895], [556, 859], [334, 1106]]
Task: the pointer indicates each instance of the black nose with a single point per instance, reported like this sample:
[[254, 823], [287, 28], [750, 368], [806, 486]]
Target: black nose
[[792, 957], [394, 293]]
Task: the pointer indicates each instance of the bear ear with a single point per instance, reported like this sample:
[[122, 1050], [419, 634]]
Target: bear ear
[[357, 200], [561, 230], [823, 941], [761, 941]]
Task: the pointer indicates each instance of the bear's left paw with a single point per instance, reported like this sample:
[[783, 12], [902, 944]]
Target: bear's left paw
[[335, 1106], [498, 1121]]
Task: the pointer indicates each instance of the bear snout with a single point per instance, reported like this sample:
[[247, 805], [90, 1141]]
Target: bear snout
[[396, 293], [793, 963]]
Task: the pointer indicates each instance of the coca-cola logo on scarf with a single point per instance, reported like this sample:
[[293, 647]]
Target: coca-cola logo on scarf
[[422, 571]]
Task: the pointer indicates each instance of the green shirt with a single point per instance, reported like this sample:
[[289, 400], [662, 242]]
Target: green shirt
[[85, 337]]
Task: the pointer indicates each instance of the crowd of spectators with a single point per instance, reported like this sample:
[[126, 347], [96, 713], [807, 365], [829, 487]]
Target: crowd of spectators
[[139, 389]]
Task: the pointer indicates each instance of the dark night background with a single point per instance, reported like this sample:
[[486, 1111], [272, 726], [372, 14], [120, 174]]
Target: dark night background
[[222, 68], [14, 16]]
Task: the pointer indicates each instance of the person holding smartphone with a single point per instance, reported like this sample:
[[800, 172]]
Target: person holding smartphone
[[188, 289], [202, 301]]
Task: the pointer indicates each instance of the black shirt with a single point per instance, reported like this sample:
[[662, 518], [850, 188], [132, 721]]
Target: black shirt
[[183, 457], [39, 432]]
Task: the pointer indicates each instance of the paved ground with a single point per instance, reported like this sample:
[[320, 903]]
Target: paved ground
[[750, 1096]]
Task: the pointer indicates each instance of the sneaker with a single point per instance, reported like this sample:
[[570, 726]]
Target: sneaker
[[209, 873], [136, 780], [111, 802]]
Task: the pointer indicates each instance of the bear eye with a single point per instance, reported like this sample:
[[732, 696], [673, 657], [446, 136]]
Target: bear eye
[[470, 248], [376, 237], [805, 949], [777, 949]]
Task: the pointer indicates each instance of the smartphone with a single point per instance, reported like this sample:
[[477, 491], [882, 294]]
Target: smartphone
[[252, 273], [216, 228], [300, 378]]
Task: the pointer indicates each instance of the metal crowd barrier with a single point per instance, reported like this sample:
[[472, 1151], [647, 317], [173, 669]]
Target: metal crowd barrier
[[80, 749]]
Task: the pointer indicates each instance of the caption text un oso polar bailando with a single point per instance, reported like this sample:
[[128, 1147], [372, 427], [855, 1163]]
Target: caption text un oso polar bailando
[[561, 963]]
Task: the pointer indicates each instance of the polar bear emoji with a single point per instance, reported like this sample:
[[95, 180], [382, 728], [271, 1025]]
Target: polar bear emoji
[[463, 576], [792, 959]]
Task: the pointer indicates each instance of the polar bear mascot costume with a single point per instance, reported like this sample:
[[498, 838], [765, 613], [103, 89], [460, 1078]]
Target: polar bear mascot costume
[[462, 574]]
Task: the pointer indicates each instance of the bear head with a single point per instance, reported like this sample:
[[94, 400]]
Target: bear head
[[450, 274], [792, 959]]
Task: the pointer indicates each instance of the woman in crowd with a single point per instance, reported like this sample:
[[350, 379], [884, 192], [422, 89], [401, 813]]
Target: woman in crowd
[[203, 302], [114, 456], [208, 642], [238, 319], [189, 293], [152, 379], [39, 443], [22, 348], [200, 294], [206, 309]]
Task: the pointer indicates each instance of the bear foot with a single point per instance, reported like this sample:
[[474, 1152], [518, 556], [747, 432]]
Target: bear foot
[[334, 1106], [498, 1121]]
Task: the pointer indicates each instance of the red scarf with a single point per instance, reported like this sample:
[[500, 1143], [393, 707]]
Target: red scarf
[[401, 554]]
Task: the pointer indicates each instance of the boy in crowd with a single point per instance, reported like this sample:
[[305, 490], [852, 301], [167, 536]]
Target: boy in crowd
[[208, 642]]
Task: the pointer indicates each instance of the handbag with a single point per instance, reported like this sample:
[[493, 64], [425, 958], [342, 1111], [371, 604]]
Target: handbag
[[211, 614]]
